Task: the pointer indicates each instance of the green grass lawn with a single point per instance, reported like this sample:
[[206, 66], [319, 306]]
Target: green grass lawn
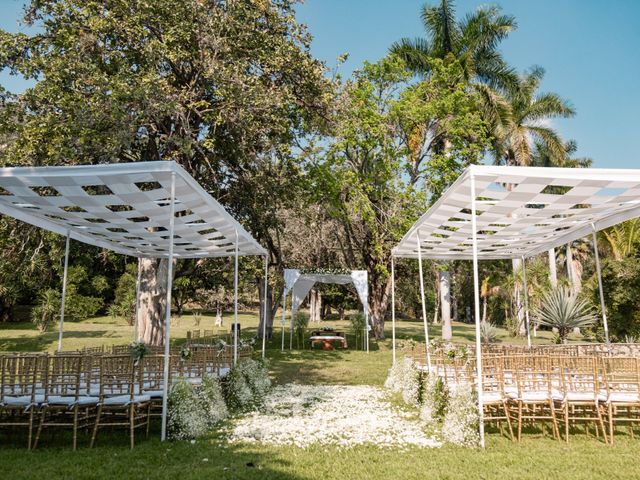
[[537, 457]]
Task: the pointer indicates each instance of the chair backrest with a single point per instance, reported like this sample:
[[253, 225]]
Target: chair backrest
[[22, 376], [65, 374], [621, 374], [117, 375]]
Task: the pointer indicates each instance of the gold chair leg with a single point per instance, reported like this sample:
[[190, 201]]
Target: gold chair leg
[[95, 427]]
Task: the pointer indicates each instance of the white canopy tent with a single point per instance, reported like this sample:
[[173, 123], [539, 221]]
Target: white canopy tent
[[494, 212], [145, 210], [299, 284]]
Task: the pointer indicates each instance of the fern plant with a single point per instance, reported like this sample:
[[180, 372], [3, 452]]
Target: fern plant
[[563, 311]]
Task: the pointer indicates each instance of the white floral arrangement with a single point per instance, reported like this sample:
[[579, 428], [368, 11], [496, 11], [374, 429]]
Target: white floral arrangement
[[194, 410], [434, 400], [404, 378], [247, 384], [461, 420]]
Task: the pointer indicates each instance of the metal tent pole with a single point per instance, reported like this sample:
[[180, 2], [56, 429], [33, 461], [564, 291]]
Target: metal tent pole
[[284, 311], [600, 289], [393, 310], [476, 298], [167, 311], [135, 319], [264, 308], [235, 302], [424, 306], [526, 301], [64, 288]]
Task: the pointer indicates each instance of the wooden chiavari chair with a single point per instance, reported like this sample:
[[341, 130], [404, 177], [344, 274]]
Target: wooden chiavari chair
[[22, 379], [495, 401], [582, 393], [535, 399], [66, 400], [622, 380], [121, 403]]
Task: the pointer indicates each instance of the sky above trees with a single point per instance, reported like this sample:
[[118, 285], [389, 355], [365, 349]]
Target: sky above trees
[[588, 48]]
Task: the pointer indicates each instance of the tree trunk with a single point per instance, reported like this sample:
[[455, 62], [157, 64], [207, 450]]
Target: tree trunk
[[517, 296], [315, 305], [553, 271], [445, 303], [153, 300], [379, 295], [269, 325]]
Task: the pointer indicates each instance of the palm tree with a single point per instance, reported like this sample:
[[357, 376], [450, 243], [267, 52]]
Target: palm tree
[[622, 239], [473, 41], [528, 123]]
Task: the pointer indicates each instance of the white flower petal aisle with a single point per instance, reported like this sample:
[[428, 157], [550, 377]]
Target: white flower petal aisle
[[346, 416]]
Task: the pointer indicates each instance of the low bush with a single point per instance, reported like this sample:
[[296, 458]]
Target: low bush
[[404, 378], [461, 421], [246, 385]]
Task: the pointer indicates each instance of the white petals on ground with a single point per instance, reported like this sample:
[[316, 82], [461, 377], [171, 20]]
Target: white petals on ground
[[303, 415]]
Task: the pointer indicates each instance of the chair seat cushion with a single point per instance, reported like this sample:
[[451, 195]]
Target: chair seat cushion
[[492, 397], [153, 393], [533, 396], [70, 401], [124, 400], [623, 397], [23, 401], [583, 397]]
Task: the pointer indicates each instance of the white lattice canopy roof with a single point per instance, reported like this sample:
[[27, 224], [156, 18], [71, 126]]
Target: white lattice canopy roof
[[124, 207], [522, 211]]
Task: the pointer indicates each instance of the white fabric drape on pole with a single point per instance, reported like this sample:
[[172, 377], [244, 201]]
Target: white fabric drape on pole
[[137, 309], [167, 313], [235, 303], [64, 289], [424, 307], [393, 310], [600, 289], [476, 305], [526, 301], [264, 311]]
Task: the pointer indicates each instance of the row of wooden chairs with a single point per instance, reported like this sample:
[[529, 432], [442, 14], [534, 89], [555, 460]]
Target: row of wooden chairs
[[92, 391], [552, 389]]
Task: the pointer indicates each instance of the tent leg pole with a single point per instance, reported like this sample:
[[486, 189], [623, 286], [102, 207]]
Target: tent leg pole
[[393, 310], [235, 302], [135, 319], [424, 306], [167, 312], [600, 289], [64, 288], [284, 312], [476, 298], [264, 314], [366, 327], [526, 301]]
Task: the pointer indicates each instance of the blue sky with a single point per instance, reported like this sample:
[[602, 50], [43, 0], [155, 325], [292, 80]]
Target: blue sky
[[589, 48]]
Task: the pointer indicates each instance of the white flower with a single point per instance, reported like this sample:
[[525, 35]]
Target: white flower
[[302, 415]]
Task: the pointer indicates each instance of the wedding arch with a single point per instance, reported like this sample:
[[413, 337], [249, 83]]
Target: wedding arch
[[300, 282]]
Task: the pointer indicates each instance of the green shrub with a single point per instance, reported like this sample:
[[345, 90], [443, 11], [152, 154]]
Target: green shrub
[[246, 385], [212, 401], [434, 400]]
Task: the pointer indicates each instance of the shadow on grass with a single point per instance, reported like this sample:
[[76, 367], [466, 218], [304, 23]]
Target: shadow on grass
[[209, 457]]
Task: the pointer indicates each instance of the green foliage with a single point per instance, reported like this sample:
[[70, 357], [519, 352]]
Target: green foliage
[[124, 304], [621, 284], [44, 314], [489, 333], [139, 349], [434, 400], [300, 324], [562, 310], [246, 385]]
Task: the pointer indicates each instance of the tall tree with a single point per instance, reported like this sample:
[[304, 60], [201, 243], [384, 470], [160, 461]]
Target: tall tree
[[371, 175], [223, 86]]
